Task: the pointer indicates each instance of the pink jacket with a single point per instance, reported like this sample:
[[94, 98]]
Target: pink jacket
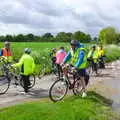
[[60, 56]]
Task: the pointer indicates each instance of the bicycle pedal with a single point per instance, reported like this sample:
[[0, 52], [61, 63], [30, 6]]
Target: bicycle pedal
[[16, 78], [71, 87]]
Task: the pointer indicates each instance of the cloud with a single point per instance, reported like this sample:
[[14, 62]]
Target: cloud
[[39, 17]]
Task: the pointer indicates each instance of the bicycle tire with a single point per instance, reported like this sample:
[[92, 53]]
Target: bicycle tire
[[89, 70], [4, 84], [99, 70], [55, 70], [31, 79], [77, 90], [51, 96]]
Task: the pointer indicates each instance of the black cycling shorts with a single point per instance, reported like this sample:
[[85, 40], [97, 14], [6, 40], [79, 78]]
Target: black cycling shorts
[[82, 72]]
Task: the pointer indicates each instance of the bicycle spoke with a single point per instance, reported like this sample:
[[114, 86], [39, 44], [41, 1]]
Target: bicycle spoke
[[58, 90], [77, 90], [4, 84]]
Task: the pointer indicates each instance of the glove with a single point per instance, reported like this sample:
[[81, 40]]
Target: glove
[[13, 65], [62, 64]]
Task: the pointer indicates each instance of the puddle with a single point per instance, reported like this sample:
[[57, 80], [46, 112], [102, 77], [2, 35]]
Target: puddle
[[114, 86], [116, 107]]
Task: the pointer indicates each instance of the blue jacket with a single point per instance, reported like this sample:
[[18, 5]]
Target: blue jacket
[[0, 52], [80, 56]]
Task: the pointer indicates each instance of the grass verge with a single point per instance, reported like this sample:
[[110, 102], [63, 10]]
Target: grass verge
[[94, 107], [112, 53]]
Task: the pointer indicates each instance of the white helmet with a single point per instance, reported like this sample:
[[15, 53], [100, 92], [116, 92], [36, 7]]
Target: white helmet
[[27, 50], [6, 43]]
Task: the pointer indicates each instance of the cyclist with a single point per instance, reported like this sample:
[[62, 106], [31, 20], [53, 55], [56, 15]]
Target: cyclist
[[53, 56], [27, 65], [6, 51], [93, 57], [78, 59], [60, 55], [101, 53]]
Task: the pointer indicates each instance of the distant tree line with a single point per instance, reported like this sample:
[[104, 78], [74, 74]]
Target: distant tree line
[[109, 35], [48, 37]]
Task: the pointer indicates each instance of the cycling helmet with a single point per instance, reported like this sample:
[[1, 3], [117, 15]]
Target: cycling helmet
[[53, 49], [6, 43], [27, 50], [74, 42]]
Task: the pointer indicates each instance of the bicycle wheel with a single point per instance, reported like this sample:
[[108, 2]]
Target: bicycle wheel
[[4, 84], [58, 90], [55, 70], [78, 88], [2, 70], [99, 70], [31, 81], [89, 70]]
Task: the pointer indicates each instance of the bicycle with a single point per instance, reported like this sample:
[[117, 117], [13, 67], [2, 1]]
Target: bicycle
[[60, 87], [93, 69], [10, 74], [102, 62], [57, 70]]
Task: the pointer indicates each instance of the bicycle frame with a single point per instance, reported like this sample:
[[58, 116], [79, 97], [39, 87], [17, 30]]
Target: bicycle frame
[[7, 68], [66, 77], [60, 87]]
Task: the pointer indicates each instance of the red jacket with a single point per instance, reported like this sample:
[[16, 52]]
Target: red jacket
[[6, 52]]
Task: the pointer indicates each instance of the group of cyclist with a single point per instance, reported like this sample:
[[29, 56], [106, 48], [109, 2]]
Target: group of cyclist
[[26, 63], [78, 57]]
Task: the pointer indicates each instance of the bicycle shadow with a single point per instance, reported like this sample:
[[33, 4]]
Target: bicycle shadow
[[93, 96], [41, 93], [105, 75]]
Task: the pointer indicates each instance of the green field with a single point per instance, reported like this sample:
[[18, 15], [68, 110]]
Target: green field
[[40, 52], [94, 107]]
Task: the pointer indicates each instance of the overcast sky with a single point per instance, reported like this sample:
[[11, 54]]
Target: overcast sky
[[41, 16]]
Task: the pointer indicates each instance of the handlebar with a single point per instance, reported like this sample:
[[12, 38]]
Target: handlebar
[[4, 59], [68, 69]]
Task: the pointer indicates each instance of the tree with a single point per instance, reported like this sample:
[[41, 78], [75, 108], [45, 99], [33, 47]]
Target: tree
[[8, 38], [108, 35], [82, 37], [47, 37], [63, 37], [69, 36], [2, 38], [118, 38], [29, 37], [20, 38]]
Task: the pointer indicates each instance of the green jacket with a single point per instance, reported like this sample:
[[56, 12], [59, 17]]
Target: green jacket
[[93, 55], [27, 65], [75, 58]]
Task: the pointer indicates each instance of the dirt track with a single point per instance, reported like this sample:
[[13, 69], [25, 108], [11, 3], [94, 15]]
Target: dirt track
[[107, 84], [16, 95]]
